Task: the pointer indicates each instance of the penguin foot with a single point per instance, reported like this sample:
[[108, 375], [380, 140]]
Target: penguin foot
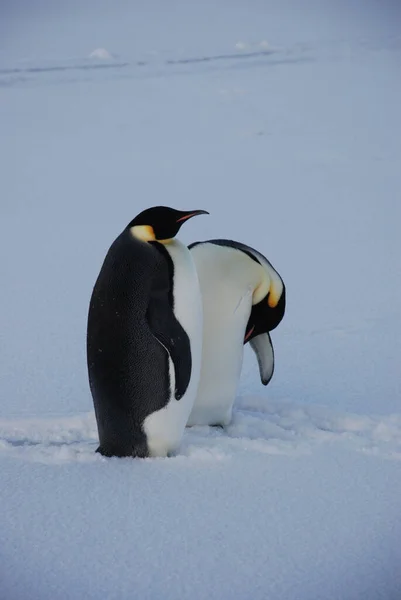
[[139, 451]]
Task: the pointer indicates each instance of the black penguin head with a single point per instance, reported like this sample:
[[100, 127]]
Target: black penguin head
[[160, 222], [263, 317]]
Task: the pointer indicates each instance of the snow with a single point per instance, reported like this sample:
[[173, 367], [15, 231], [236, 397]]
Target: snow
[[294, 148], [101, 53], [242, 46]]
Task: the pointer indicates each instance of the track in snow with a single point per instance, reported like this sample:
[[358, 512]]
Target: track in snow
[[272, 428], [70, 70]]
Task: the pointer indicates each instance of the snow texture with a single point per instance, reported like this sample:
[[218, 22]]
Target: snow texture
[[293, 145]]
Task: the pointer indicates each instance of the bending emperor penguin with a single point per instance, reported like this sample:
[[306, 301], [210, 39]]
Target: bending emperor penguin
[[144, 337], [243, 299]]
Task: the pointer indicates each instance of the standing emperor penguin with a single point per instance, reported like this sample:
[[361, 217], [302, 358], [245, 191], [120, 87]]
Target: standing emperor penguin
[[243, 300], [144, 337]]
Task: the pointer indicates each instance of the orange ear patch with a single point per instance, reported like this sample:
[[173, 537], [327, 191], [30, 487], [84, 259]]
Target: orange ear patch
[[273, 298], [145, 233]]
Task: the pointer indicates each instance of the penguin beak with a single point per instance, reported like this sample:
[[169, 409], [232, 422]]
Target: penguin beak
[[190, 214], [248, 334]]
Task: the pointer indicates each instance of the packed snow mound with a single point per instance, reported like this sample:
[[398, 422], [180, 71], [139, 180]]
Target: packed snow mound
[[101, 54], [242, 46]]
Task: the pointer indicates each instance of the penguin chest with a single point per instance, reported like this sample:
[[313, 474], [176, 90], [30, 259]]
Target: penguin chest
[[222, 356], [228, 279]]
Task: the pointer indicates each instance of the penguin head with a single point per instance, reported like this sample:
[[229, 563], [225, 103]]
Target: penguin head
[[264, 317], [160, 223]]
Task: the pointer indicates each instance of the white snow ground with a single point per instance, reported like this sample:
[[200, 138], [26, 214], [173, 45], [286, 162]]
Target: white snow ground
[[282, 119]]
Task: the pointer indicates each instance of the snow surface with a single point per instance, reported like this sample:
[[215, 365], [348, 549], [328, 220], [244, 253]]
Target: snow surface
[[292, 142]]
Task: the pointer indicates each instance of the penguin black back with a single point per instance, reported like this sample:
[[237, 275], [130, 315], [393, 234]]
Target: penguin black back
[[117, 314]]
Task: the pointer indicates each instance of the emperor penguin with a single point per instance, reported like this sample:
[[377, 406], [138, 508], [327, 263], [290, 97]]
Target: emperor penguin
[[243, 300], [144, 337]]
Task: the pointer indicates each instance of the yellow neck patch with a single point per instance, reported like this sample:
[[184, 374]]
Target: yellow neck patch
[[271, 282]]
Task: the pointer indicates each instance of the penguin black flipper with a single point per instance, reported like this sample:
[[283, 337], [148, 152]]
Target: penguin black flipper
[[263, 348], [170, 334]]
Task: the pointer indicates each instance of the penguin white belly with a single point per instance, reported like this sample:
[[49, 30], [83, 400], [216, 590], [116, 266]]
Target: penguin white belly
[[164, 428], [227, 279], [221, 361]]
